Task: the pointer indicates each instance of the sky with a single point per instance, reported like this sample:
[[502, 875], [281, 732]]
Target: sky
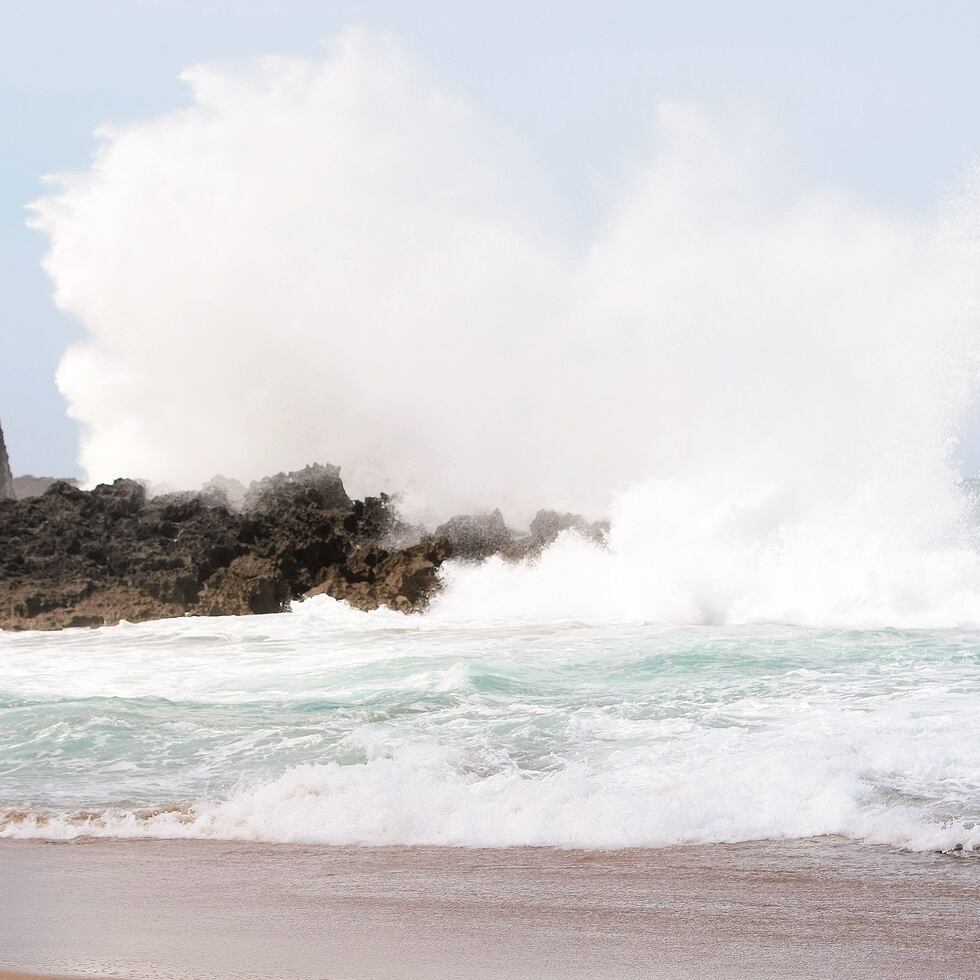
[[877, 100]]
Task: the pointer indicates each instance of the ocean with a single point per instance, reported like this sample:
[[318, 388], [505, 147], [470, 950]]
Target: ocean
[[333, 726]]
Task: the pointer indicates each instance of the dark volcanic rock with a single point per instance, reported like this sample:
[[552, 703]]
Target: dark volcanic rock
[[316, 485], [221, 489], [248, 585], [403, 580], [548, 524], [476, 536], [72, 557], [546, 527], [80, 558]]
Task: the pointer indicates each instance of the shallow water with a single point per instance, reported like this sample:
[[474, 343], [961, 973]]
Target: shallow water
[[333, 726]]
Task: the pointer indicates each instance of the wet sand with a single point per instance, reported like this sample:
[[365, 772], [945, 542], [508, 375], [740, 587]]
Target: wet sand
[[193, 909], [8, 975], [18, 975]]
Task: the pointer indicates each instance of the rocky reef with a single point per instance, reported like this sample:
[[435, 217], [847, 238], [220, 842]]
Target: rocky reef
[[72, 557]]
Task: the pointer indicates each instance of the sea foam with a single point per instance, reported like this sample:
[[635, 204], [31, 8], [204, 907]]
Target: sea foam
[[339, 727]]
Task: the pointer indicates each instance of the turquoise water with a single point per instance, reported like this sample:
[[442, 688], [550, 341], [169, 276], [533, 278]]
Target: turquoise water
[[334, 726]]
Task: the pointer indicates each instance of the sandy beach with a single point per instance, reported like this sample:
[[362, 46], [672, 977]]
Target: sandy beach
[[191, 909]]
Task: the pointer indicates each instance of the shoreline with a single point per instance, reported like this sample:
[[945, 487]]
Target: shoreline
[[17, 975], [204, 909]]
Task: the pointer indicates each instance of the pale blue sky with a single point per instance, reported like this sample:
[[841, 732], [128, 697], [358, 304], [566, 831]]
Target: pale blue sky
[[882, 100]]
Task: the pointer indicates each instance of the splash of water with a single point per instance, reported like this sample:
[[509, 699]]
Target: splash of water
[[340, 260]]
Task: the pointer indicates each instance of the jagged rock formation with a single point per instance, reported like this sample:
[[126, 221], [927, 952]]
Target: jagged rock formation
[[546, 527], [476, 536], [6, 477], [77, 558], [86, 558]]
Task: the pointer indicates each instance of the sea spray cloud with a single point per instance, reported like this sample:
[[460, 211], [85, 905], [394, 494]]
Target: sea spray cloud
[[312, 261], [339, 260]]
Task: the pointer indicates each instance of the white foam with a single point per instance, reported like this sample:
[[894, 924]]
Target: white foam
[[292, 729], [418, 801], [349, 242], [681, 552]]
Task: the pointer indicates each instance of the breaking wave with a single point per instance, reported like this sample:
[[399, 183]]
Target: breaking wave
[[343, 260], [340, 727]]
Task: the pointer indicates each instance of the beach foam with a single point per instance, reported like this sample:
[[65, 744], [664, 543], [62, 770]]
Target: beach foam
[[357, 729]]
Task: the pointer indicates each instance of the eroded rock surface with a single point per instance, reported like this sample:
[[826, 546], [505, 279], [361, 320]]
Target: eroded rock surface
[[476, 536], [545, 529], [72, 557], [85, 558]]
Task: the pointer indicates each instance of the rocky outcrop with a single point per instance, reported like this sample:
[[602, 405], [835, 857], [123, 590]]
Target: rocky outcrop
[[6, 477], [476, 536], [545, 529], [248, 585], [79, 558], [72, 557], [403, 580]]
